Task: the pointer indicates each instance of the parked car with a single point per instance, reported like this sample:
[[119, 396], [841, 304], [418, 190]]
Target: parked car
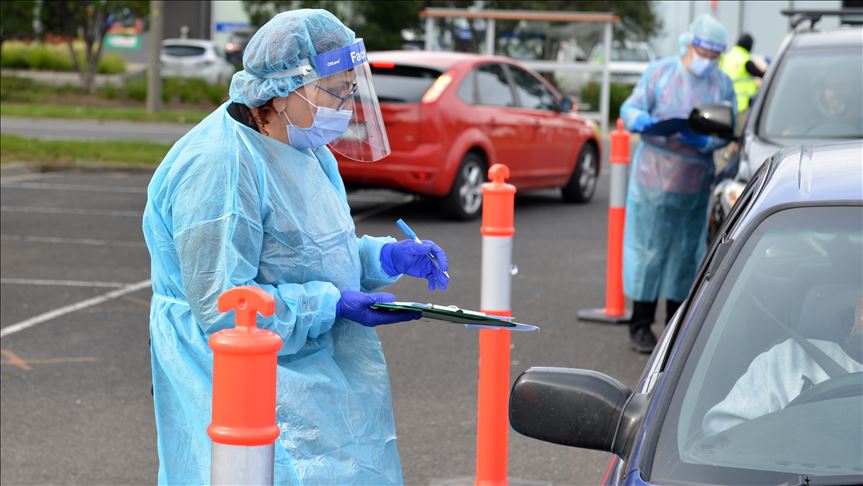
[[450, 116], [194, 58], [757, 378], [811, 94], [628, 61], [236, 45]]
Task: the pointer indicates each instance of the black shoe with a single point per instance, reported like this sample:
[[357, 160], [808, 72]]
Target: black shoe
[[642, 340]]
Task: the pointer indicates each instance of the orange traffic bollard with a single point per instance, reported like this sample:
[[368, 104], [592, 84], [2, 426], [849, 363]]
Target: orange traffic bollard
[[493, 400], [615, 305], [243, 427]]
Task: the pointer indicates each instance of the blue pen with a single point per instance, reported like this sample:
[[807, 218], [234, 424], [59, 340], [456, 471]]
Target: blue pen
[[410, 234]]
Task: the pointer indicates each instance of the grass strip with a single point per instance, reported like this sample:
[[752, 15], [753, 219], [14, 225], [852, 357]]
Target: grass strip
[[100, 113], [79, 152]]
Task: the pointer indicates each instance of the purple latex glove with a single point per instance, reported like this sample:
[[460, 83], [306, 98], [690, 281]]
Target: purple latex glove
[[411, 258], [694, 140], [642, 122], [354, 305]]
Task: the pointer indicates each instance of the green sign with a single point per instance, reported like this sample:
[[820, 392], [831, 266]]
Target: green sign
[[123, 41]]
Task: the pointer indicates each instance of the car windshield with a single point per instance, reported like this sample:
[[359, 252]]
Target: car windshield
[[182, 50], [811, 98], [401, 84], [772, 388]]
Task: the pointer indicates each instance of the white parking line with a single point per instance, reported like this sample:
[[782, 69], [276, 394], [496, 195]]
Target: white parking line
[[60, 283], [70, 241], [75, 187], [85, 212], [20, 326]]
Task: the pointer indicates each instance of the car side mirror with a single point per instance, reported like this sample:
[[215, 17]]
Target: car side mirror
[[566, 105], [715, 120], [578, 408]]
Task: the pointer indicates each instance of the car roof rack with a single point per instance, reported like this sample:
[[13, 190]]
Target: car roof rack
[[798, 16]]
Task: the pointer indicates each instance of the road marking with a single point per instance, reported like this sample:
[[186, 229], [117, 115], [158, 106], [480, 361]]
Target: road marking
[[14, 360], [380, 209], [60, 283], [74, 241], [27, 323], [21, 177], [76, 187], [85, 212], [141, 302]]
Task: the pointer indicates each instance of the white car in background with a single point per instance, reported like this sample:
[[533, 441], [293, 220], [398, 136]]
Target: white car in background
[[194, 58]]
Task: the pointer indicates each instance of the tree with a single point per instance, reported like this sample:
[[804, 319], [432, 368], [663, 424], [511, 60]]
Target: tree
[[16, 19], [379, 23], [90, 20]]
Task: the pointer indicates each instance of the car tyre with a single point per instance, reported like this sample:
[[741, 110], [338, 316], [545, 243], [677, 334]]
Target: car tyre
[[464, 201], [582, 182]]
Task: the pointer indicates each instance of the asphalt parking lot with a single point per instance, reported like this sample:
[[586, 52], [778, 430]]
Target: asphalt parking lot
[[76, 404]]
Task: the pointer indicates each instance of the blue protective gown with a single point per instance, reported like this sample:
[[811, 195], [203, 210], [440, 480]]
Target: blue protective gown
[[669, 185], [228, 207]]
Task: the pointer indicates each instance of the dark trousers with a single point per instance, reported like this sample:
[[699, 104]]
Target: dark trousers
[[644, 312]]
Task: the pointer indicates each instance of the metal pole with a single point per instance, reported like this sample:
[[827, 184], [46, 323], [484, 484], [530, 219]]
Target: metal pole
[[605, 92], [154, 79], [429, 33], [489, 37]]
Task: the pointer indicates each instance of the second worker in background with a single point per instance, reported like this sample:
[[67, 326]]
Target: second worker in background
[[669, 186]]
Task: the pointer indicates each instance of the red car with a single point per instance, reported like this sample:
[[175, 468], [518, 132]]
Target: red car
[[450, 116]]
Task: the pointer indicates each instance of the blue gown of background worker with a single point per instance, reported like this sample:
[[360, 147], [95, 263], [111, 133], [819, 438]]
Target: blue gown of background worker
[[230, 206], [666, 207]]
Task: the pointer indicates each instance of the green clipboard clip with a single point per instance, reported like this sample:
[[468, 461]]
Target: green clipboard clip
[[451, 313]]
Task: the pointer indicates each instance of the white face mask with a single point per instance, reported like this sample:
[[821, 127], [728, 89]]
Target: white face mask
[[699, 66]]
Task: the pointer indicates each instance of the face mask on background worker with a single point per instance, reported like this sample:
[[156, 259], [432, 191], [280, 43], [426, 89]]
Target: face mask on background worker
[[706, 44]]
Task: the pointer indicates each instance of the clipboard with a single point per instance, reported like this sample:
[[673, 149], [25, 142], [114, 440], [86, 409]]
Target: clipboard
[[667, 128], [456, 315]]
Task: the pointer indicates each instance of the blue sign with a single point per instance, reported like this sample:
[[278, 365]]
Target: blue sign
[[341, 59], [231, 26]]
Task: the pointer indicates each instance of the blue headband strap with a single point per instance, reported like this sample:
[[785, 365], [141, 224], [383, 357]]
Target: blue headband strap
[[341, 59], [709, 45]]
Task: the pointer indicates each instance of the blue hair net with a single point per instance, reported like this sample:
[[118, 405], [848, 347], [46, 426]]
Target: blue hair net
[[280, 56], [708, 33], [684, 40]]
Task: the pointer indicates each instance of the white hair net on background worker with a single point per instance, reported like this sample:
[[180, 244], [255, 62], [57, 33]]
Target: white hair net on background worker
[[252, 196], [666, 209]]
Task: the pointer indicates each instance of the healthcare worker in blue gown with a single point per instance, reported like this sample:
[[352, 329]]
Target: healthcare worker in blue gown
[[252, 196], [669, 185]]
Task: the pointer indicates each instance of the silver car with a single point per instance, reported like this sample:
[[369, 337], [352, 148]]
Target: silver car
[[194, 58]]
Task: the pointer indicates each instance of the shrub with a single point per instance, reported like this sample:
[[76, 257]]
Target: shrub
[[111, 64], [49, 57], [618, 94], [136, 88], [13, 56]]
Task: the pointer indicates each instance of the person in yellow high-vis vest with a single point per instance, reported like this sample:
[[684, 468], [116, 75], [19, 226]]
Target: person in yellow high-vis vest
[[738, 65]]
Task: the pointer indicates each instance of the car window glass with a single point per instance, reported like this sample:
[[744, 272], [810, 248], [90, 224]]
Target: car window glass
[[531, 92], [467, 89], [401, 84], [732, 417], [493, 86], [178, 50], [810, 98]]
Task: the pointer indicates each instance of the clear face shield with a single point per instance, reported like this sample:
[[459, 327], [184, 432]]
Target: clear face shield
[[343, 109]]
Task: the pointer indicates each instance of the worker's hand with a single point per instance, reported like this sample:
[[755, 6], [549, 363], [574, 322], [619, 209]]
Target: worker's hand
[[355, 306], [694, 140], [642, 122], [411, 258]]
